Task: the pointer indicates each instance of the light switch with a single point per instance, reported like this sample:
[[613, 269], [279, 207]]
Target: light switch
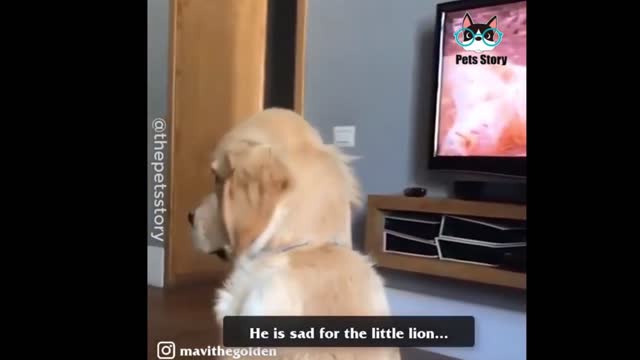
[[344, 136]]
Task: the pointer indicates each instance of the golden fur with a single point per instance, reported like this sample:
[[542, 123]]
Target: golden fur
[[326, 189], [282, 209]]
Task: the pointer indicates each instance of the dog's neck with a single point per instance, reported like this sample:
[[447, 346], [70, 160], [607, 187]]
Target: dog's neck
[[266, 243], [272, 230], [275, 239], [274, 251]]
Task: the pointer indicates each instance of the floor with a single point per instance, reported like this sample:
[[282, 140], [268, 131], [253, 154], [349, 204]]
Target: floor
[[184, 316]]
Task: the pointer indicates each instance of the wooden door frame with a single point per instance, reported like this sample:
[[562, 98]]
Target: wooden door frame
[[171, 277], [169, 272], [301, 41]]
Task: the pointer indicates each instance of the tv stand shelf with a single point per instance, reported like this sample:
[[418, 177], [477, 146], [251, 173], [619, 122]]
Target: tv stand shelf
[[437, 254]]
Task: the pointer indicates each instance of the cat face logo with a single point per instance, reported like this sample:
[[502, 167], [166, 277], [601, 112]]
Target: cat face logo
[[478, 37]]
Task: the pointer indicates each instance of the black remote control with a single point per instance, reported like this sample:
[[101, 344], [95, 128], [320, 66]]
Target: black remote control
[[415, 192]]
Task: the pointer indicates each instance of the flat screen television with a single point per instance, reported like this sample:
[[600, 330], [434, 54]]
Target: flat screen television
[[479, 108]]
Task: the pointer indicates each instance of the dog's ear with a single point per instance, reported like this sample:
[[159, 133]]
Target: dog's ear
[[220, 166], [252, 197]]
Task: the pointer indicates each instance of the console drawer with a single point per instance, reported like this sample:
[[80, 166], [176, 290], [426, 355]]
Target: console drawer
[[394, 242], [424, 227], [508, 256], [479, 229]]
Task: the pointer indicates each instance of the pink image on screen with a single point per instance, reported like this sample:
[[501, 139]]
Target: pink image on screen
[[482, 106]]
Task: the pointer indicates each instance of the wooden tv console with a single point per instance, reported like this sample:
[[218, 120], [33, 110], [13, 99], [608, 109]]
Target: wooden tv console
[[380, 205]]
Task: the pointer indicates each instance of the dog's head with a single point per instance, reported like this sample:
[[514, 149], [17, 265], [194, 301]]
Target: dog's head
[[246, 209], [207, 231], [267, 163]]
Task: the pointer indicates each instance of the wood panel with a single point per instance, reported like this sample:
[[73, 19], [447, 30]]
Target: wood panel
[[217, 79], [301, 40], [449, 206]]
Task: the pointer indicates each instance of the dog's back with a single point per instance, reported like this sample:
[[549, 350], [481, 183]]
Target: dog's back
[[328, 280], [343, 282]]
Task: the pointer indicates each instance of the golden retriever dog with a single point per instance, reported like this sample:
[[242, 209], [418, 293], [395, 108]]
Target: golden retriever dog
[[326, 189], [281, 213]]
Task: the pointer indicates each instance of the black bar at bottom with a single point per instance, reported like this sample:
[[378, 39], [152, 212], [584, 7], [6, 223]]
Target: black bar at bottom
[[349, 331]]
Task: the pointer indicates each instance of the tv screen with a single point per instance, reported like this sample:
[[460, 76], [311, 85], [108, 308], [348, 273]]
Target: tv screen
[[480, 108]]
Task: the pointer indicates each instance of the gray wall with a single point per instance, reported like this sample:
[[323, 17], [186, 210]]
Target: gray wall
[[157, 86], [368, 64]]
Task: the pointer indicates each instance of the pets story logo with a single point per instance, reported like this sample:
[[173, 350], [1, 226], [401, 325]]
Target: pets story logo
[[479, 38]]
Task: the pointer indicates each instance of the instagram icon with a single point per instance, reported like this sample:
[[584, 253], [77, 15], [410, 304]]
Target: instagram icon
[[166, 350]]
